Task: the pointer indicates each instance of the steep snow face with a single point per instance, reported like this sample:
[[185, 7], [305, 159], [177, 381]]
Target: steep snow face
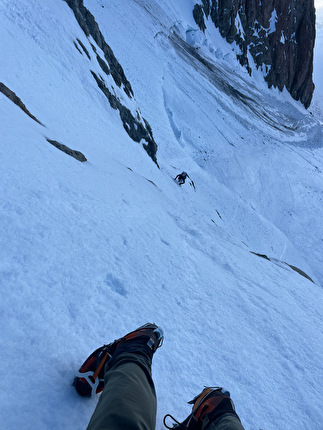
[[91, 250]]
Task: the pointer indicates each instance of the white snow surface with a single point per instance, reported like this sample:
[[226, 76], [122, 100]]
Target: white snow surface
[[272, 22], [90, 251]]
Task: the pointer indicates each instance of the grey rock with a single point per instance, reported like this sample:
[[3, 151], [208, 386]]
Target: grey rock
[[296, 269], [199, 16], [90, 27], [76, 46], [301, 272], [279, 34], [135, 129], [84, 49], [16, 100], [72, 152], [103, 65], [138, 130]]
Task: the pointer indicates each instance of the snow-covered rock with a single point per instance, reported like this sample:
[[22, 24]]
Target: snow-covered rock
[[278, 35]]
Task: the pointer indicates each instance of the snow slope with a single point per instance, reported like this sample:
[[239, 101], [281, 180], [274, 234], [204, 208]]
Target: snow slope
[[91, 250]]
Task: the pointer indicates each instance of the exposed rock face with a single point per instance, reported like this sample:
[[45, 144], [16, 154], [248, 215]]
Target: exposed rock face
[[136, 126], [90, 27], [16, 100], [279, 34], [72, 152], [296, 269]]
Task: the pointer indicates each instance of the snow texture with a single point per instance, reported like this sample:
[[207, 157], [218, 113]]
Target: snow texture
[[272, 22], [90, 251]]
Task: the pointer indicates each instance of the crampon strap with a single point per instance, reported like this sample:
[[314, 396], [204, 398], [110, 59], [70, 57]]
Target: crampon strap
[[88, 376], [87, 383], [175, 421]]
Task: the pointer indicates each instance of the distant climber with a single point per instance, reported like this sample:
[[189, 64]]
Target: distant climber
[[180, 178]]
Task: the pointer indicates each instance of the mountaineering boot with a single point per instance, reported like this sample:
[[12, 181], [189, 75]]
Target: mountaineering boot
[[208, 407], [144, 341]]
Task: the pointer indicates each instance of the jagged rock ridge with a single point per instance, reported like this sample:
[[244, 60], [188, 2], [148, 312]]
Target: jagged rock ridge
[[278, 34], [137, 127], [72, 152], [16, 100]]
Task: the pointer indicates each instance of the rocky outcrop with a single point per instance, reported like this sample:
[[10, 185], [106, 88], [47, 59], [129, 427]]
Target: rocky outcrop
[[90, 27], [84, 49], [136, 130], [283, 263], [279, 35], [136, 126], [71, 152], [16, 100]]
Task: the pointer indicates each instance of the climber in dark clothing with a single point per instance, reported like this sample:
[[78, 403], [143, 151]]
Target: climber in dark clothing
[[181, 178], [128, 400]]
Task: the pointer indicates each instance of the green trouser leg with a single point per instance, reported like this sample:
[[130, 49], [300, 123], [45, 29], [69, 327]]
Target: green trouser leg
[[128, 401], [227, 422]]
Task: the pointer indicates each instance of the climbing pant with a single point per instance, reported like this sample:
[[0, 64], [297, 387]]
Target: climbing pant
[[128, 401], [226, 422]]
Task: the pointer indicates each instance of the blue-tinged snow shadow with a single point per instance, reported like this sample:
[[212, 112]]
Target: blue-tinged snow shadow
[[115, 285]]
